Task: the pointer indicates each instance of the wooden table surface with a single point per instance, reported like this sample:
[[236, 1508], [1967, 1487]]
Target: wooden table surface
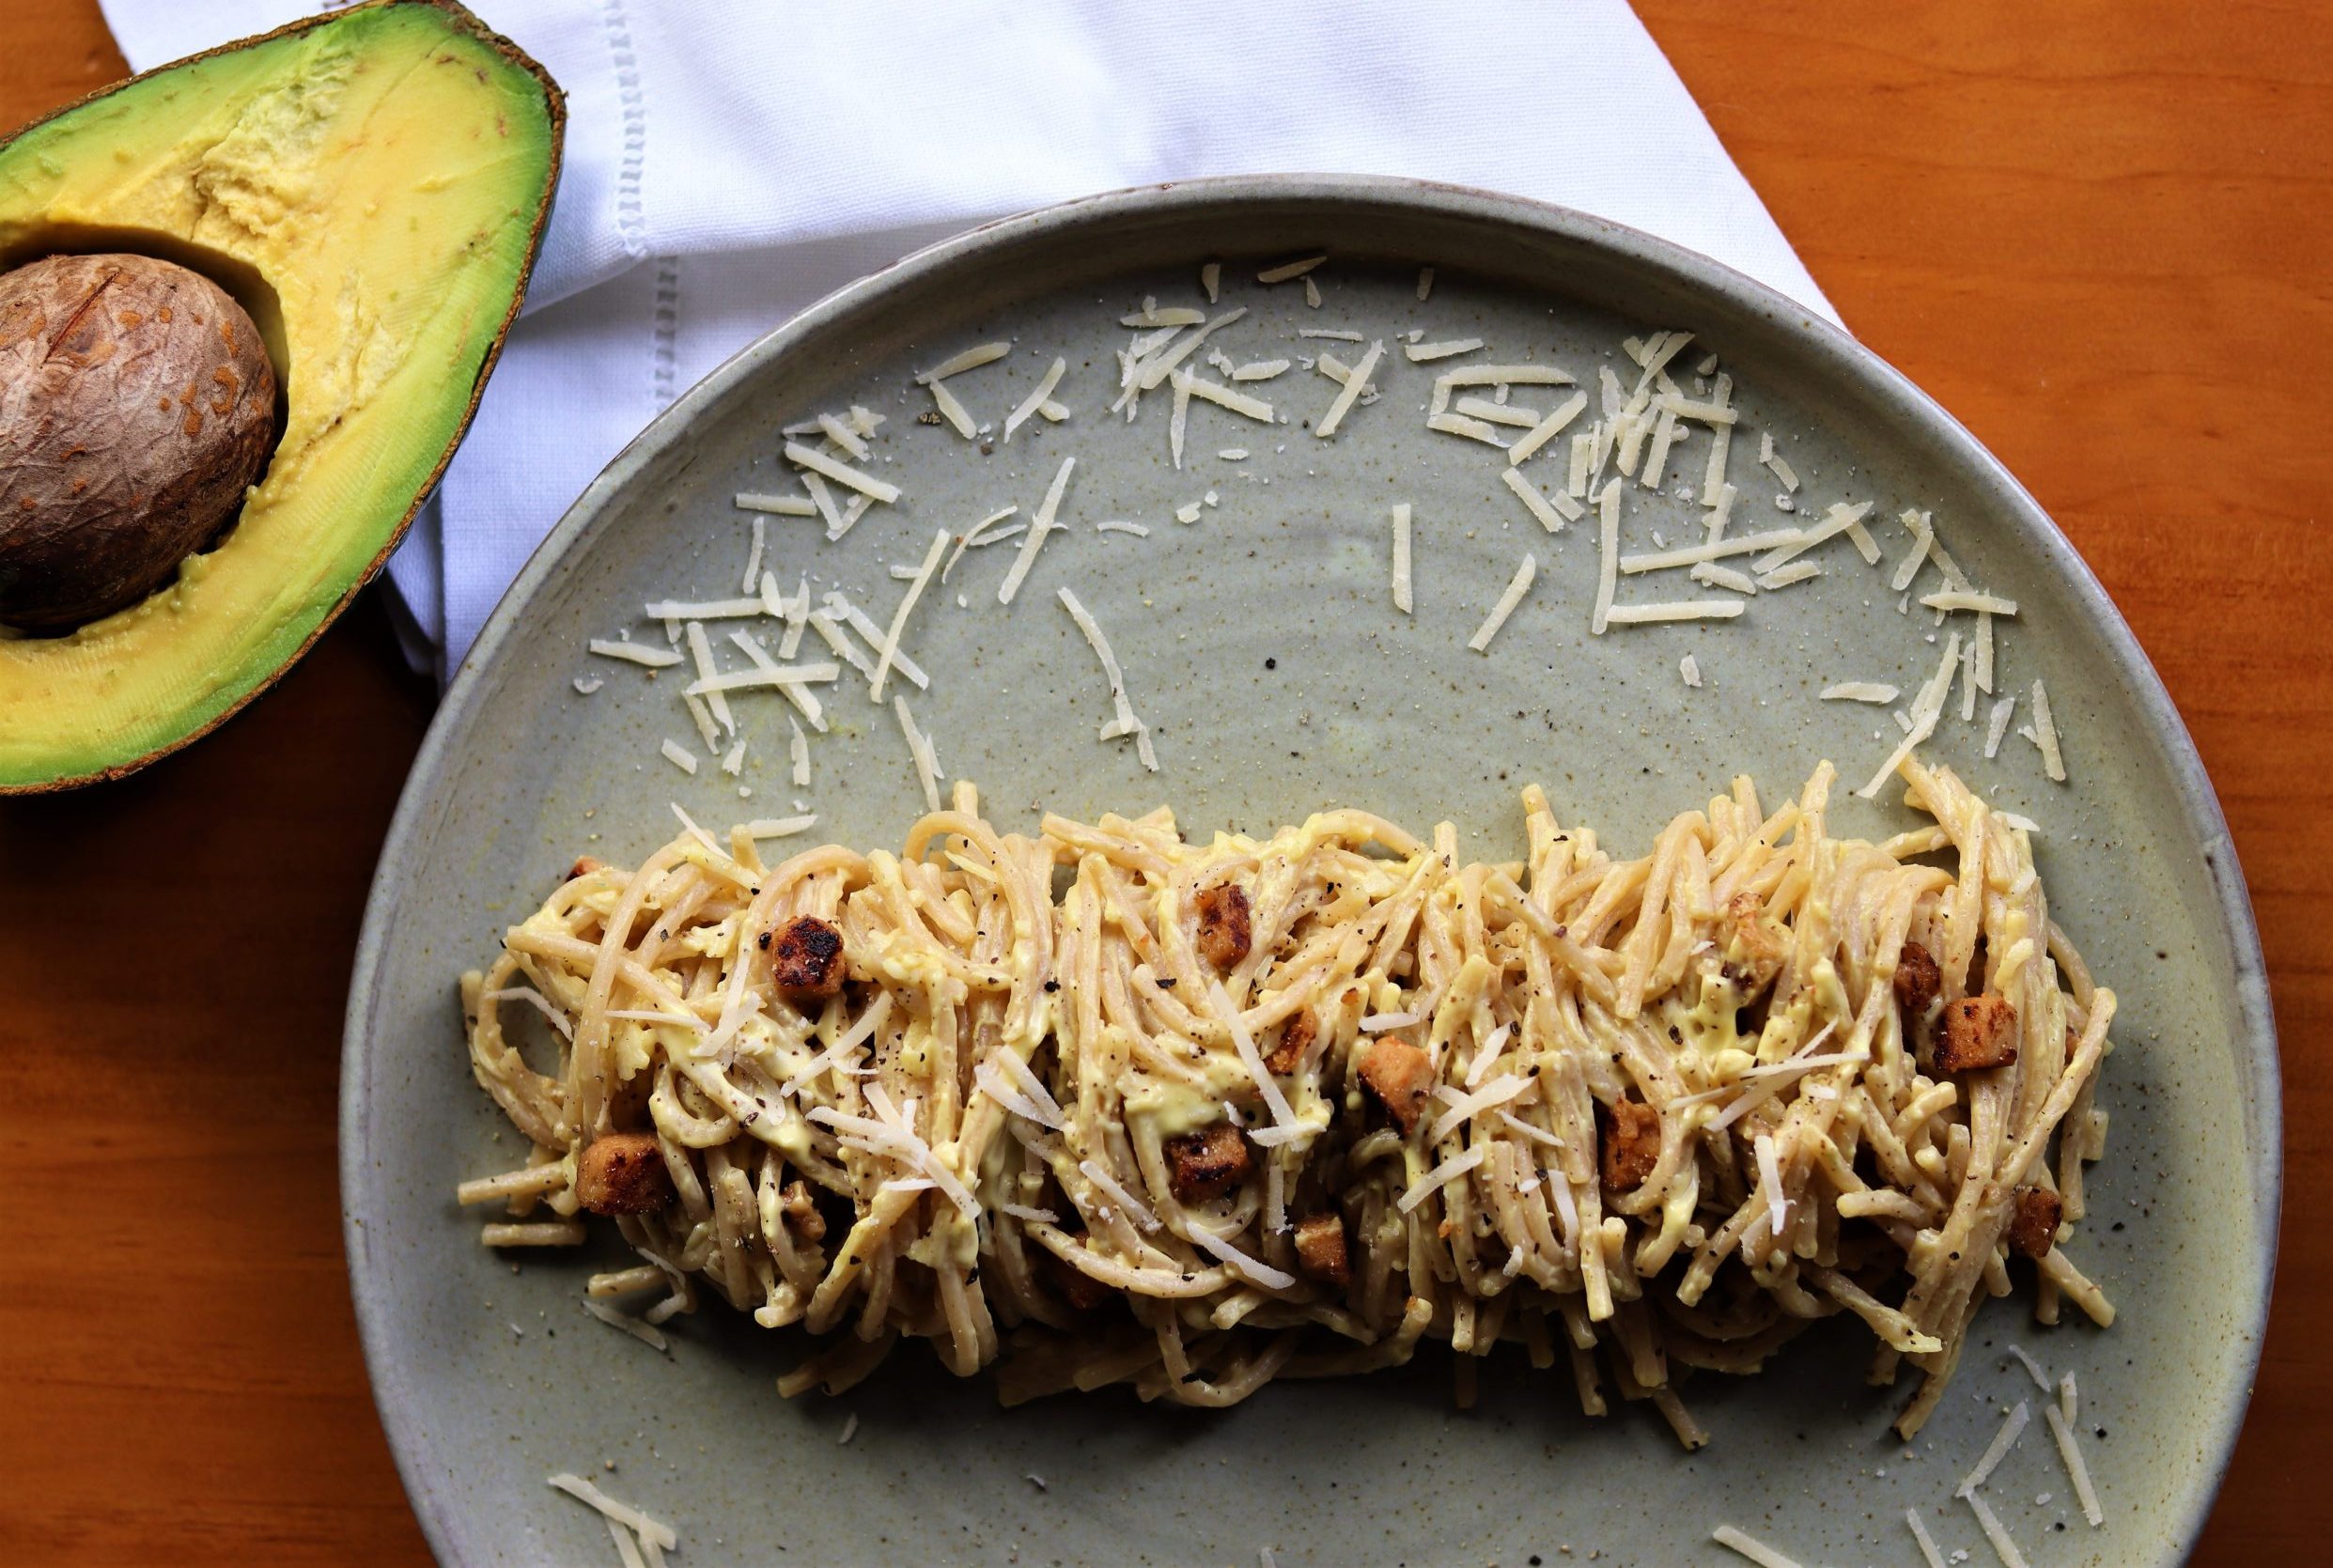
[[2098, 231]]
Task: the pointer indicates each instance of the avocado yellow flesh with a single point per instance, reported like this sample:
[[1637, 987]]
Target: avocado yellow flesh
[[372, 186]]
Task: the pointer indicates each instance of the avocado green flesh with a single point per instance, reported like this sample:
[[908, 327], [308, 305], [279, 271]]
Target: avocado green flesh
[[372, 187]]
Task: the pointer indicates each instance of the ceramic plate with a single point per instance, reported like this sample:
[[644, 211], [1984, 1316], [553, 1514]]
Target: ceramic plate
[[1261, 645]]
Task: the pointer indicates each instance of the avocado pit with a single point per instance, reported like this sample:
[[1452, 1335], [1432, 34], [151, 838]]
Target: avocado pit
[[137, 406]]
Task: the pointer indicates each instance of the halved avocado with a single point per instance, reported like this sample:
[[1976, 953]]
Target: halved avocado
[[372, 187]]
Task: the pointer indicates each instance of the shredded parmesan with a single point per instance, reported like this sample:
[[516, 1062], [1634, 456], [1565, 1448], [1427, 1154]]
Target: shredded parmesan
[[1999, 1449], [1420, 353], [1254, 1269], [1756, 1551], [1425, 283], [1691, 669], [781, 506], [1040, 526], [1344, 399], [629, 1517], [1037, 399], [864, 624], [1173, 316], [585, 685], [779, 827], [1518, 586], [2032, 1368], [1552, 512], [1927, 1543], [646, 1333], [1211, 279], [1607, 519], [1440, 1176], [926, 764], [888, 651], [1782, 577], [1223, 396], [1922, 527], [1925, 709], [841, 472], [679, 755], [1261, 370], [1119, 525], [1126, 722], [1336, 334], [1673, 609], [1133, 1207], [1956, 600], [1717, 550], [1775, 461], [1380, 1023], [2046, 734], [1277, 1103], [1465, 425], [1859, 691], [1547, 428], [970, 359], [2077, 1470], [1401, 558], [1995, 1531], [655, 659], [1463, 1107], [1288, 270]]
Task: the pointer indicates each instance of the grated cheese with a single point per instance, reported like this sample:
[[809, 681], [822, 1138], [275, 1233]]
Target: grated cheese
[[1126, 722], [888, 653], [1782, 577], [1254, 1269], [841, 472], [1925, 709], [1233, 454], [1552, 512], [1149, 373], [1118, 526], [1173, 316], [1037, 399], [1337, 333], [2046, 734], [1927, 1543], [655, 659], [1547, 429], [1493, 412], [735, 761], [646, 1333], [926, 764], [1999, 726], [1950, 599], [679, 755], [1041, 525], [1717, 550], [1401, 558], [1420, 353], [970, 359], [1835, 522], [1607, 519], [1673, 609], [1995, 1531], [2077, 1470], [753, 556], [1211, 279], [1425, 283], [704, 610], [1463, 425], [800, 747], [1181, 418], [1288, 270], [585, 685], [779, 506], [1312, 293], [1656, 459], [1133, 1207], [864, 624], [1440, 1176], [969, 539], [1859, 691], [791, 681], [1997, 1450], [1516, 587], [1770, 1185], [1774, 461], [1261, 370], [1353, 385], [2068, 1397], [626, 1550], [992, 1084], [1709, 574], [953, 409], [1583, 448], [1239, 402], [1034, 1217], [1284, 1118], [1922, 527], [1748, 1546], [843, 436], [1691, 670], [1463, 1107], [1380, 1023], [648, 1529], [702, 652]]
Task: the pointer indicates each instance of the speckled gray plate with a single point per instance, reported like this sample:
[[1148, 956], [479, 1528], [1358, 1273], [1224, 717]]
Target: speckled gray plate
[[1261, 645]]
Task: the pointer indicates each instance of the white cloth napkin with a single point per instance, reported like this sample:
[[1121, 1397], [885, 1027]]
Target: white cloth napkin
[[729, 162]]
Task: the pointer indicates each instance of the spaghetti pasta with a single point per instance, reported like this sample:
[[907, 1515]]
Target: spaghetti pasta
[[1105, 1105]]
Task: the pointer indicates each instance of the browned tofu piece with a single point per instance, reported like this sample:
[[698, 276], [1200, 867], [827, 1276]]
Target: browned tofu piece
[[1400, 1076], [621, 1173], [806, 957], [1296, 1037], [2033, 1222], [1979, 1031], [1753, 948], [1630, 1140], [1080, 1290], [1320, 1249], [1916, 981], [1202, 1166], [1224, 931]]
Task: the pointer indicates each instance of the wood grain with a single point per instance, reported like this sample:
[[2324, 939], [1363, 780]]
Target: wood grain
[[2097, 233]]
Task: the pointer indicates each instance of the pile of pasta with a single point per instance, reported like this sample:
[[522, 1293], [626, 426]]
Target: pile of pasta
[[1103, 1106]]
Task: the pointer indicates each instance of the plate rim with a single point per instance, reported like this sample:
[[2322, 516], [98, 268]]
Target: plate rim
[[1841, 356]]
